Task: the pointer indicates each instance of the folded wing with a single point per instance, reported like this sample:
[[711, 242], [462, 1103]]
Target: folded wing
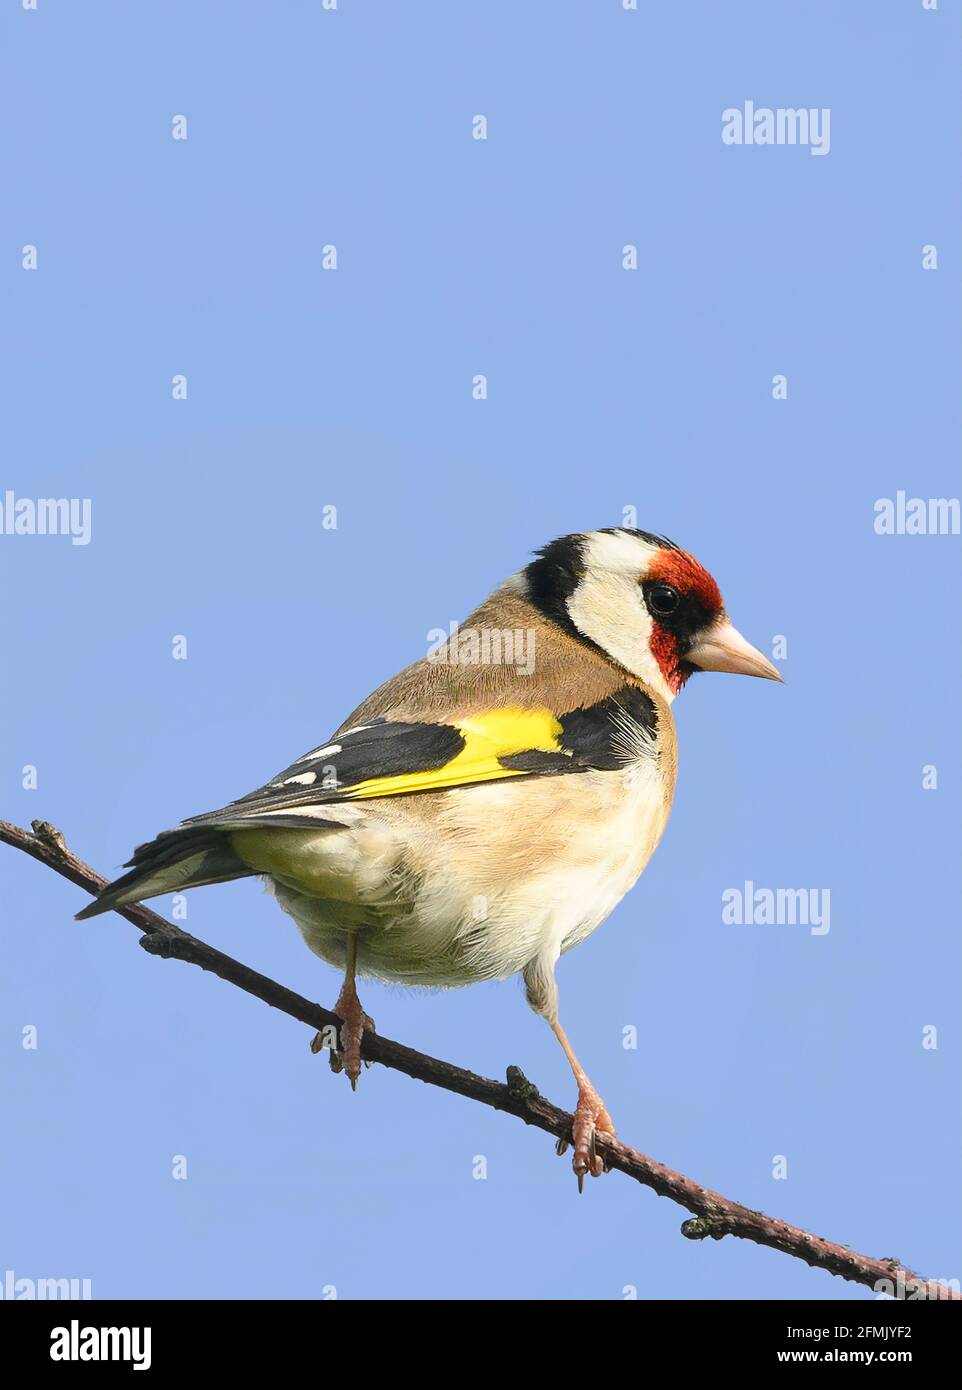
[[390, 758]]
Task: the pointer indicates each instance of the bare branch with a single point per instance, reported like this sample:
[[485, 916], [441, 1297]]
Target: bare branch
[[713, 1215]]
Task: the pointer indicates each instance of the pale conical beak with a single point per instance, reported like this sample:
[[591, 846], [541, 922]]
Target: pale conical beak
[[723, 648]]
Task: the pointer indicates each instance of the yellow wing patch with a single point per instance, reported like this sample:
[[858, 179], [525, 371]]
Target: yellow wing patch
[[487, 738]]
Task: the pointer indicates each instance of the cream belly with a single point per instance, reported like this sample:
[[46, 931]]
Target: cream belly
[[471, 884]]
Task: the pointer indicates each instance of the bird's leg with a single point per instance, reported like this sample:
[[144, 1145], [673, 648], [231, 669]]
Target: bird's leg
[[590, 1116], [590, 1113], [346, 1055]]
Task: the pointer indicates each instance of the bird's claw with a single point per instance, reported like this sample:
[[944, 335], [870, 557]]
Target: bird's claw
[[590, 1118], [345, 1043]]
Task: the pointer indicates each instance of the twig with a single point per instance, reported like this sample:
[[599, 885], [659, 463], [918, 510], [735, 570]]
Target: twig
[[714, 1216]]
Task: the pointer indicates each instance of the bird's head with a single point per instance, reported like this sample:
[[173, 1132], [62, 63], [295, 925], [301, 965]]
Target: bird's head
[[643, 602]]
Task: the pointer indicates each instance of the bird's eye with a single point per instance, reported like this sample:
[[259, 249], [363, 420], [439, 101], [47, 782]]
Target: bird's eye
[[662, 600]]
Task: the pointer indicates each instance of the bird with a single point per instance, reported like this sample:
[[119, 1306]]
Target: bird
[[479, 815]]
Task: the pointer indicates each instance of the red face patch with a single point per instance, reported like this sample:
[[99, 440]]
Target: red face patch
[[700, 597], [683, 572], [664, 648]]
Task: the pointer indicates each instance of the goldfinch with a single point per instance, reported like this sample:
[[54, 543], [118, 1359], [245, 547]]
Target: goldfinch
[[479, 815]]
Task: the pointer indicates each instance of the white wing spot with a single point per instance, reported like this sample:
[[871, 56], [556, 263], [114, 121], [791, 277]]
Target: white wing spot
[[304, 778], [321, 752]]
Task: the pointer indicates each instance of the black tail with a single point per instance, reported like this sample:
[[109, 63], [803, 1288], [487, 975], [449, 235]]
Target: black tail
[[176, 859]]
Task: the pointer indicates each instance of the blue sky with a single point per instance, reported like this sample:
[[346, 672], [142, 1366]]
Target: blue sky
[[607, 389]]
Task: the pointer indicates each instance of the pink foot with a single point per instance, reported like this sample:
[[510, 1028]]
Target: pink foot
[[590, 1118], [347, 1056]]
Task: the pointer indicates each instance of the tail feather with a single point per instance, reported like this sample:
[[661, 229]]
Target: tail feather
[[176, 859]]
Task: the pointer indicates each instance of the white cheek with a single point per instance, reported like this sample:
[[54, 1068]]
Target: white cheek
[[609, 608]]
